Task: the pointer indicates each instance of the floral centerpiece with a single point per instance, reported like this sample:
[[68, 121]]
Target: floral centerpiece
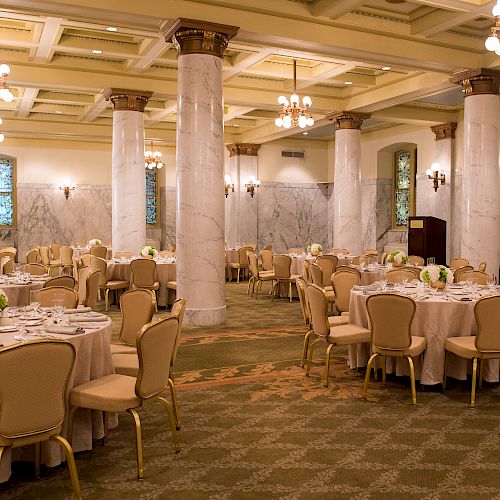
[[4, 300], [149, 252], [397, 258], [314, 248], [94, 242], [437, 276]]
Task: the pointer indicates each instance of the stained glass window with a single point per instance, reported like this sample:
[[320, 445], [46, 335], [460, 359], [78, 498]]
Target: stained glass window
[[7, 191], [152, 205], [403, 175]]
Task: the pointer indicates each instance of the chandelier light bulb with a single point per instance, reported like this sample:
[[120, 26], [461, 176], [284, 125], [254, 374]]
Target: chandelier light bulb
[[6, 95], [436, 166], [492, 43], [497, 51], [287, 121], [429, 172], [148, 153], [306, 100], [310, 121], [278, 122], [282, 100], [2, 137], [157, 153], [496, 9], [294, 99], [4, 69], [1, 121], [159, 164], [302, 121]]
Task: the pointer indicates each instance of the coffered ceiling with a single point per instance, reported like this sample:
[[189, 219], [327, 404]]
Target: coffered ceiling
[[64, 55]]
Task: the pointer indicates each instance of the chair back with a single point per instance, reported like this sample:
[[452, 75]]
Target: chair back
[[55, 251], [242, 256], [92, 288], [10, 250], [299, 250], [99, 251], [268, 247], [253, 265], [32, 256], [178, 311], [65, 281], [414, 270], [76, 267], [267, 259], [328, 264], [137, 310], [307, 272], [342, 282], [318, 306], [399, 275], [316, 274], [301, 288], [155, 345], [143, 273], [83, 273], [281, 266], [34, 269], [457, 273], [34, 380], [124, 255], [340, 251], [458, 262], [48, 297], [99, 264], [86, 258], [44, 255], [477, 277], [487, 313], [349, 269], [390, 316], [370, 252], [253, 246], [482, 266], [172, 247], [356, 261], [66, 254], [6, 264], [416, 260]]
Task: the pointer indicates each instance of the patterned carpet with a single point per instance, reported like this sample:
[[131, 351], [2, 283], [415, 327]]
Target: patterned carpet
[[255, 427]]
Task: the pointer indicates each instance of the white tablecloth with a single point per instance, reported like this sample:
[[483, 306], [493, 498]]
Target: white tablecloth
[[436, 319], [19, 295], [93, 360]]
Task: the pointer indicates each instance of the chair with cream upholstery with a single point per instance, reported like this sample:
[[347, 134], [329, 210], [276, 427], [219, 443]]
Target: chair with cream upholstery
[[137, 309], [458, 262], [92, 289], [266, 256], [55, 251], [306, 313], [242, 264], [99, 251], [34, 379], [307, 272], [340, 251], [328, 264], [47, 297], [118, 393], [370, 252], [7, 264], [415, 260], [342, 283], [34, 269], [77, 264], [484, 345], [391, 316], [350, 269], [414, 270], [86, 258], [281, 266], [399, 275], [476, 277], [253, 246], [482, 267], [356, 261], [124, 255], [268, 247], [66, 253], [65, 281], [332, 335], [143, 276], [457, 273], [44, 255], [32, 257], [258, 277], [317, 277], [83, 273], [99, 264]]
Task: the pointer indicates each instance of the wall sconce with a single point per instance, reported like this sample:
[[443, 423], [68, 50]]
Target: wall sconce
[[67, 186], [228, 185], [251, 185], [436, 174]]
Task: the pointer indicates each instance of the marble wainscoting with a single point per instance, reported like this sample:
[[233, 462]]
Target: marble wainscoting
[[376, 221], [456, 216], [168, 199], [292, 215]]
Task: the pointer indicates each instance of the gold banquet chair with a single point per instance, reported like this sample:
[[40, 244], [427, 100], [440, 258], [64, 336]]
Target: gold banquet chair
[[34, 269], [457, 273], [485, 345], [477, 277], [282, 265], [416, 260], [32, 257], [317, 277], [34, 379], [119, 393], [328, 264], [255, 281], [266, 256], [399, 275], [100, 264], [458, 262], [99, 251], [66, 253], [391, 317], [92, 289], [65, 281], [46, 296], [143, 276], [83, 273], [242, 264], [342, 283]]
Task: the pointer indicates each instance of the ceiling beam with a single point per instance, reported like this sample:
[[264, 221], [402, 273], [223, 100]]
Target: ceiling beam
[[333, 10], [49, 38], [246, 63], [416, 116], [95, 109], [160, 115], [26, 103], [236, 112], [330, 73], [152, 51]]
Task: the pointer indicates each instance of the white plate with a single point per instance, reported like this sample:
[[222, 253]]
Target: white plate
[[460, 293], [10, 328]]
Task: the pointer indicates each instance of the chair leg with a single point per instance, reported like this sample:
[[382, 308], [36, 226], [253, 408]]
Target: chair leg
[[327, 364], [481, 371], [412, 380], [474, 377], [171, 420], [106, 299], [305, 348], [367, 374], [71, 416], [68, 451], [256, 293], [445, 370], [290, 291], [238, 279], [250, 281], [309, 359], [138, 442], [175, 404], [275, 285], [106, 427], [38, 457], [383, 359]]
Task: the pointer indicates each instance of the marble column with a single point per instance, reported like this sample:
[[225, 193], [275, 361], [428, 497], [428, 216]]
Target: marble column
[[442, 198], [128, 231], [347, 230], [200, 168], [480, 172], [241, 224]]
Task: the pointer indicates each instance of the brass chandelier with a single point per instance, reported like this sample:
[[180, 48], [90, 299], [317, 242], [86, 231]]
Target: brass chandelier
[[5, 93], [152, 159], [492, 43], [292, 113]]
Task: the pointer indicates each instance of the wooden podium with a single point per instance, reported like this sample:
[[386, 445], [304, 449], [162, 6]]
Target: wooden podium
[[427, 238]]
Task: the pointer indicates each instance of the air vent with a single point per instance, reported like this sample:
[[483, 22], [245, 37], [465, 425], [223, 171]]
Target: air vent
[[293, 154]]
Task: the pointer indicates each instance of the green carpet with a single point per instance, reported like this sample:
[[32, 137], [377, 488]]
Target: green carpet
[[255, 427]]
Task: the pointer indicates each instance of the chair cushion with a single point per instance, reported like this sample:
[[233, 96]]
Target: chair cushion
[[328, 288], [126, 364], [348, 334], [120, 348], [112, 393], [337, 320], [330, 295], [465, 347], [417, 347], [267, 276], [172, 285], [116, 284], [55, 263], [155, 286], [345, 313]]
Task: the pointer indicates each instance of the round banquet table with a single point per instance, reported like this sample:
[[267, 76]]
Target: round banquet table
[[436, 318], [93, 360], [164, 273], [79, 251], [19, 293]]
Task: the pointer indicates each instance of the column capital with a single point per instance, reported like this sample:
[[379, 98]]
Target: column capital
[[478, 81], [200, 37], [243, 149], [127, 99], [444, 131], [347, 119]]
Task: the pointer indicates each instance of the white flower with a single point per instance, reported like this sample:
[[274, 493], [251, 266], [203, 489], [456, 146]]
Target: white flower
[[398, 258], [149, 250], [94, 242]]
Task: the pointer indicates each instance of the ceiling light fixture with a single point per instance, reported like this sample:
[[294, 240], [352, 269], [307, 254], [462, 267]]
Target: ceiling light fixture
[[97, 52], [385, 68], [111, 28], [292, 113], [348, 83], [228, 185], [305, 133], [492, 43], [152, 159], [5, 93]]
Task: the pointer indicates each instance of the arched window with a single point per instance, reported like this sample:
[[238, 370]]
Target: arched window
[[152, 198], [7, 191], [404, 188]]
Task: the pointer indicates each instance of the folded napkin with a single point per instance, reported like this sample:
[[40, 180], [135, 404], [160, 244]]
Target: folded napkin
[[78, 318], [78, 310], [65, 330]]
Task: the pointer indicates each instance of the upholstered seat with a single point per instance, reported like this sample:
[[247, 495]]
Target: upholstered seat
[[257, 277], [142, 276], [242, 264], [281, 266]]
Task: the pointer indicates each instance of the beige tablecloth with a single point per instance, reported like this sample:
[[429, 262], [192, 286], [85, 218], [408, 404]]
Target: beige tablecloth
[[79, 251], [19, 295], [93, 360], [232, 257], [436, 319], [164, 273]]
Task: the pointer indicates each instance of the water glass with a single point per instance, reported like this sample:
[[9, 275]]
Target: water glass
[[431, 261]]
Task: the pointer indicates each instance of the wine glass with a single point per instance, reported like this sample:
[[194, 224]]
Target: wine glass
[[431, 261], [22, 336], [58, 308]]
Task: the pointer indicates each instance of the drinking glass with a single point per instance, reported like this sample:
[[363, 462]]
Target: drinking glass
[[22, 336], [58, 308], [431, 261]]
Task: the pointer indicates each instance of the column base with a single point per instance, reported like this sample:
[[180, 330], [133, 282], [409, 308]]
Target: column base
[[206, 317]]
